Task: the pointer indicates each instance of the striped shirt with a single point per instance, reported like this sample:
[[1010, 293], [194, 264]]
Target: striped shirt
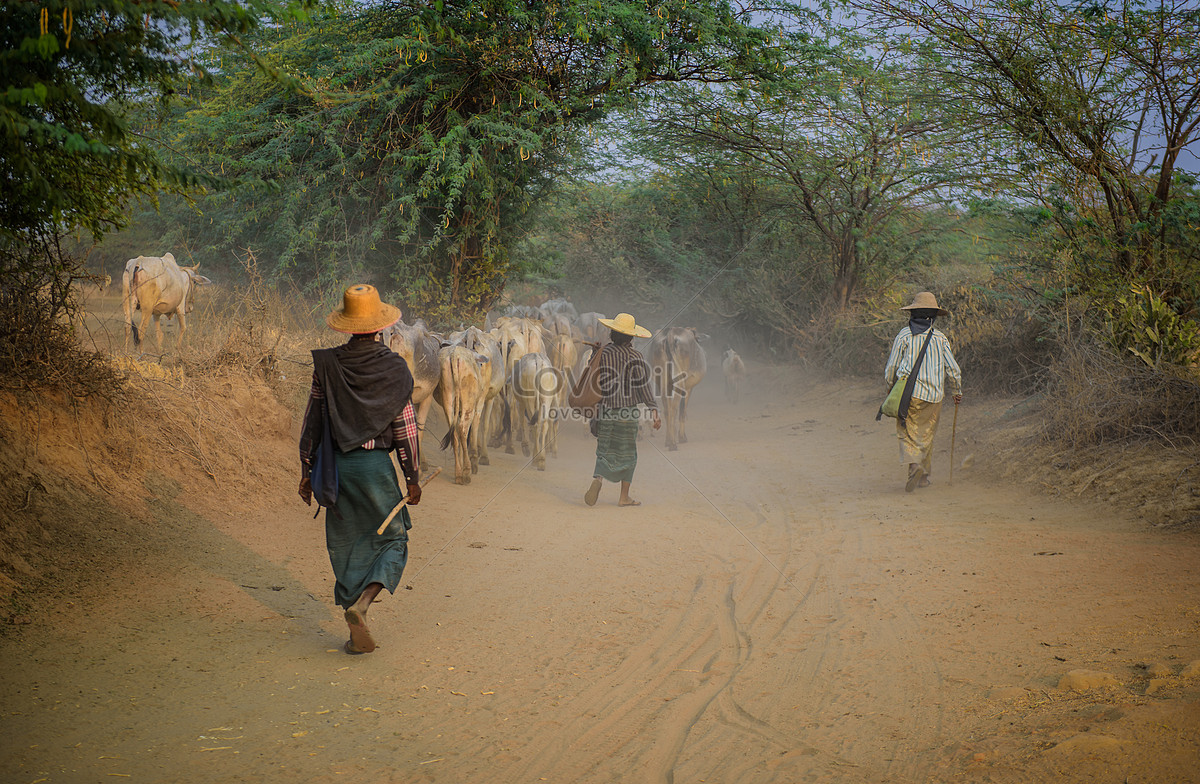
[[402, 436], [623, 377], [938, 371]]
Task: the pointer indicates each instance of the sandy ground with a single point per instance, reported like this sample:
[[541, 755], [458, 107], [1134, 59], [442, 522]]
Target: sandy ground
[[778, 610]]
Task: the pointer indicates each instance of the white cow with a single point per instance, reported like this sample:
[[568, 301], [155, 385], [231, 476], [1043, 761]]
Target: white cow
[[564, 355], [461, 395], [419, 349], [537, 391], [679, 364], [590, 327], [492, 379], [157, 286], [511, 340]]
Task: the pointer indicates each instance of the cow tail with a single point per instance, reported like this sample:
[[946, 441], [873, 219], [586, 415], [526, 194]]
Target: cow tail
[[451, 418], [507, 426]]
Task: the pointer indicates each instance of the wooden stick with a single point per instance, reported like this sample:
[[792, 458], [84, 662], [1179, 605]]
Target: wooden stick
[[404, 502], [953, 433]]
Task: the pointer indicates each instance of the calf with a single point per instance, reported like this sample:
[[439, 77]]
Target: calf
[[734, 371]]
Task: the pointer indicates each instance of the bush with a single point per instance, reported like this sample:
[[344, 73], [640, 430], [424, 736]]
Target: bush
[[1098, 395], [1146, 326], [39, 292]]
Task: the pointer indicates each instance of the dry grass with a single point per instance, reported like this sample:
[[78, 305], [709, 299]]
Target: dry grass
[[1097, 397]]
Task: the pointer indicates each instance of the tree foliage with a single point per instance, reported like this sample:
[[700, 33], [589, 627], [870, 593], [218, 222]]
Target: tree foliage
[[857, 151], [431, 129], [1097, 100], [69, 71], [71, 68]]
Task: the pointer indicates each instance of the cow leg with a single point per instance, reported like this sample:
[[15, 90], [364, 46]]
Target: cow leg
[[462, 457], [145, 330], [485, 430], [525, 427], [672, 423], [683, 418], [496, 426], [474, 438], [422, 415], [539, 441], [514, 421]]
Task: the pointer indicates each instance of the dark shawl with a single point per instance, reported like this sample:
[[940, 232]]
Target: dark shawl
[[366, 386]]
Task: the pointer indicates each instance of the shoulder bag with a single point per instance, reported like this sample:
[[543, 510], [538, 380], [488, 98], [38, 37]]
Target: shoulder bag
[[585, 394], [900, 396], [324, 474]]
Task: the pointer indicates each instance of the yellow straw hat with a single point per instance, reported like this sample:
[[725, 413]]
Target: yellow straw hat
[[362, 312], [625, 324], [926, 301]]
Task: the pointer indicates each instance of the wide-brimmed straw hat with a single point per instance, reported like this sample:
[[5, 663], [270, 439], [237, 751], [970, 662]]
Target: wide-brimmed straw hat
[[362, 312], [625, 324], [926, 301]]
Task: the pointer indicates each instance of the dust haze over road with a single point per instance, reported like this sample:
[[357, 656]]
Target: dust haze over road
[[778, 610]]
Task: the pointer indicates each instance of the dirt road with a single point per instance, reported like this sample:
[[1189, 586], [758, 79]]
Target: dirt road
[[778, 610]]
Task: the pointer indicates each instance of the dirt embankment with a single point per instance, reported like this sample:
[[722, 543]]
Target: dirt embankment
[[778, 609]]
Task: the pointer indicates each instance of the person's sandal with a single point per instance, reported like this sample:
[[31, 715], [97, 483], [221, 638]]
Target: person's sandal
[[915, 475], [593, 492]]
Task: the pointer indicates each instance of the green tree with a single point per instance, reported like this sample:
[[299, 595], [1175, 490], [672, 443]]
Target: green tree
[[69, 71], [1096, 101], [857, 151], [431, 129]]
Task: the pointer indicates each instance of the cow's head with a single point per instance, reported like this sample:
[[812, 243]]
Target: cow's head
[[699, 336], [194, 279]]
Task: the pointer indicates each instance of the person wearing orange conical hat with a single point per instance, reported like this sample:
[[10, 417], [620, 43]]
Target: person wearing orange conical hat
[[938, 372], [361, 399], [624, 380]]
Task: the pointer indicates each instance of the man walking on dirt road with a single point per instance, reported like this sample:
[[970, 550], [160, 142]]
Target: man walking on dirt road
[[937, 371], [361, 400]]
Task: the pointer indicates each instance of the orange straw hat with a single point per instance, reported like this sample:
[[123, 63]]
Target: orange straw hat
[[625, 324], [362, 312], [926, 301]]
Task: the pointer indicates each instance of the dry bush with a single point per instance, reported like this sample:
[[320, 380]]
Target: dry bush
[[256, 331], [998, 339], [1097, 396], [39, 293]]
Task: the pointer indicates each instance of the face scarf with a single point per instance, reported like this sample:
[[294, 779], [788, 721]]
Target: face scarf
[[919, 325]]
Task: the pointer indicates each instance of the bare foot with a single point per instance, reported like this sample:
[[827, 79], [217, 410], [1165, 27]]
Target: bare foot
[[360, 636], [628, 502]]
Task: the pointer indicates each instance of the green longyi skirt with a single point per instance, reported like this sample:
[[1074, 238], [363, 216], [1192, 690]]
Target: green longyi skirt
[[616, 444], [367, 493]]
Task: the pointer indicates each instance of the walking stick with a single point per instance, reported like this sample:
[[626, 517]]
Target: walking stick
[[953, 432], [404, 502]]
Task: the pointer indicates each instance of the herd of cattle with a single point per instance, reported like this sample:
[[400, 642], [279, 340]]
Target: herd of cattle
[[508, 382], [505, 383]]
